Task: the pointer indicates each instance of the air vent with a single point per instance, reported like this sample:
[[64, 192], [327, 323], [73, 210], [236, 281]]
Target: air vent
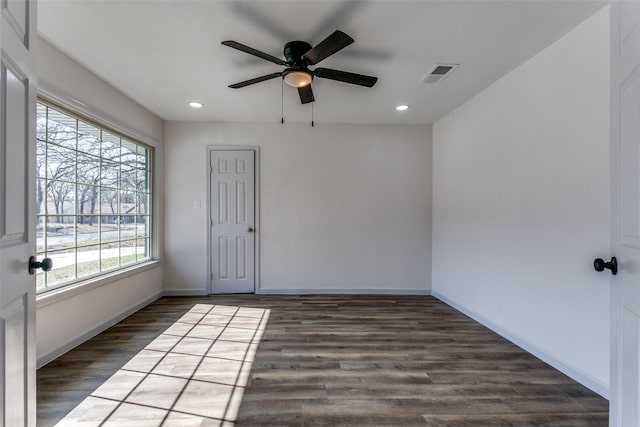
[[438, 73]]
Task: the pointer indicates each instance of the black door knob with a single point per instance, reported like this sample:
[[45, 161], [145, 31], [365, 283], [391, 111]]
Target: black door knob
[[250, 230], [46, 264], [599, 264]]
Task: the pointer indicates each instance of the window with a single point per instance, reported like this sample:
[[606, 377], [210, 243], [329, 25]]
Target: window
[[93, 198]]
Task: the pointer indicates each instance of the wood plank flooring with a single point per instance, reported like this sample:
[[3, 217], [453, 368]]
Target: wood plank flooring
[[326, 361]]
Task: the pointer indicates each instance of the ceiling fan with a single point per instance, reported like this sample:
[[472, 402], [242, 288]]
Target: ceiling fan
[[299, 55]]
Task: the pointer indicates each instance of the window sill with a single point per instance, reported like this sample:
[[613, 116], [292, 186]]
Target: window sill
[[56, 295]]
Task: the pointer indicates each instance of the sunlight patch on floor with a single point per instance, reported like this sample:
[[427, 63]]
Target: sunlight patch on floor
[[193, 374]]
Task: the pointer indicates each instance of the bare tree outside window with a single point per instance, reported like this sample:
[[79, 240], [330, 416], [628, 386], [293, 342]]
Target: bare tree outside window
[[93, 195]]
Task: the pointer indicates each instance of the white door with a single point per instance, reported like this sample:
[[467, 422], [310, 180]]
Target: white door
[[232, 221], [17, 214], [625, 167]]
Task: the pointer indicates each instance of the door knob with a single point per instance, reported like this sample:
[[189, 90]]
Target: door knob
[[250, 230], [599, 264], [46, 264]]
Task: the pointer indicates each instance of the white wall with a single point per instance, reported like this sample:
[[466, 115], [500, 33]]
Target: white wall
[[62, 78], [521, 204], [344, 208], [67, 322], [64, 320]]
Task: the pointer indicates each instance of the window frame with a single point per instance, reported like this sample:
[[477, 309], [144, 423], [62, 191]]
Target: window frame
[[109, 275]]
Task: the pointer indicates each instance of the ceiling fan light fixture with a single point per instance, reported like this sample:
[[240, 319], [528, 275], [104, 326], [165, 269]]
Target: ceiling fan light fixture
[[402, 107], [297, 78], [195, 104]]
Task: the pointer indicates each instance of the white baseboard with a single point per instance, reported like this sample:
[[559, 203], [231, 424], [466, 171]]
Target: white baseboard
[[95, 331], [185, 292], [577, 374], [343, 292]]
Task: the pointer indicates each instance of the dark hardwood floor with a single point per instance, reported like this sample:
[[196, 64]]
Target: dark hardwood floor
[[321, 361]]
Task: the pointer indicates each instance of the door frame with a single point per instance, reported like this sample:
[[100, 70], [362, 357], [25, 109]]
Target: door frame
[[256, 197]]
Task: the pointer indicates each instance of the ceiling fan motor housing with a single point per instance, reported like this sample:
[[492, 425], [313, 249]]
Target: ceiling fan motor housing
[[293, 52]]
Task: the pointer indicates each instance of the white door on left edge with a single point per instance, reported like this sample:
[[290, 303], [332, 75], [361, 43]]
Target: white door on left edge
[[625, 214], [17, 212], [232, 234]]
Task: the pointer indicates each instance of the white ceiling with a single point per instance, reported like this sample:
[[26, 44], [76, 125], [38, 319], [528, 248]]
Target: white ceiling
[[164, 53]]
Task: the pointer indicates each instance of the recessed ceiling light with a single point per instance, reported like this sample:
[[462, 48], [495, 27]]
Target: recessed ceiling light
[[402, 107], [195, 104]]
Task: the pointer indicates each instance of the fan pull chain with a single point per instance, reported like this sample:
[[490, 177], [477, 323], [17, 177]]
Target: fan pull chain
[[282, 102], [312, 113]]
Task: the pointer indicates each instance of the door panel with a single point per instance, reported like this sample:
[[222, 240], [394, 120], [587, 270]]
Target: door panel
[[17, 213], [629, 159], [14, 201], [625, 213], [222, 270], [15, 332], [17, 15], [630, 330], [232, 223], [241, 257], [223, 205], [241, 199]]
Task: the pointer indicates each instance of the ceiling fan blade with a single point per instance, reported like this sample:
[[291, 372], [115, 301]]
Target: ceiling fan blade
[[306, 94], [343, 76], [254, 52], [327, 47], [256, 80]]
